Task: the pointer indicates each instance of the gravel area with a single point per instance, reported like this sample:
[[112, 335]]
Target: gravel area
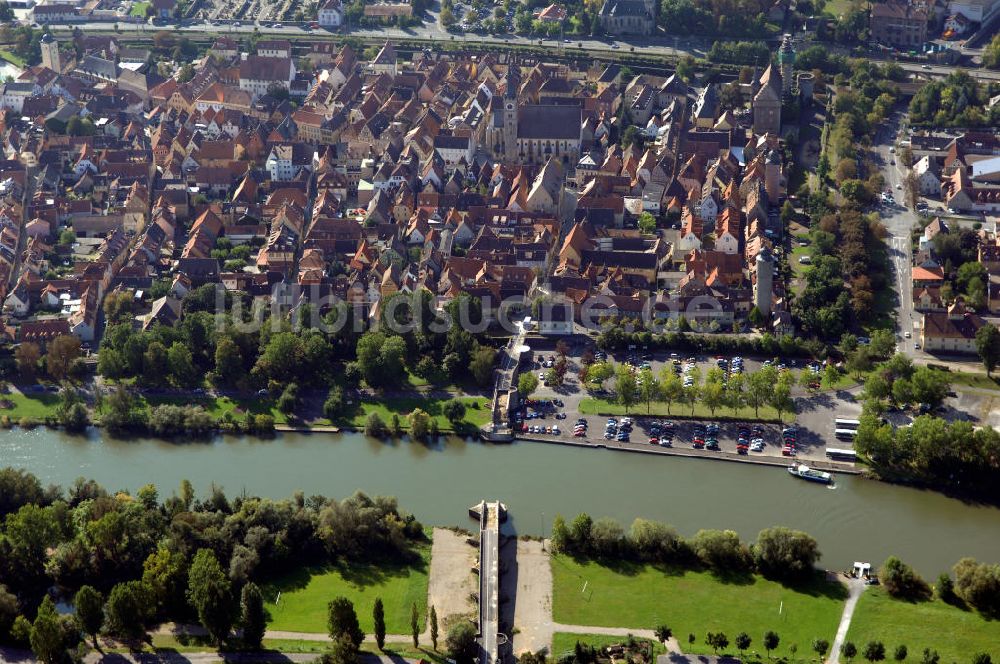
[[451, 581]]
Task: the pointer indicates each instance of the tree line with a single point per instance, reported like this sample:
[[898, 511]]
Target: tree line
[[767, 387], [131, 559], [933, 452], [780, 553], [620, 333]]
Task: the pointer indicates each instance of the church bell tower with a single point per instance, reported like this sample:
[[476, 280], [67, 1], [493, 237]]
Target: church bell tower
[[513, 83]]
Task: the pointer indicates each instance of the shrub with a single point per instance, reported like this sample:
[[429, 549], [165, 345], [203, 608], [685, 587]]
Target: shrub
[[263, 424], [901, 581], [374, 426], [454, 410]]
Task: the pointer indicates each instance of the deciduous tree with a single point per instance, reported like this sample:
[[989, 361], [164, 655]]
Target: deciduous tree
[[771, 641], [26, 357], [461, 643], [527, 383], [663, 633], [874, 651], [127, 609], [988, 347], [61, 352], [210, 593], [742, 642]]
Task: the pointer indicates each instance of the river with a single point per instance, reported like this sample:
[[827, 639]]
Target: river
[[858, 520]]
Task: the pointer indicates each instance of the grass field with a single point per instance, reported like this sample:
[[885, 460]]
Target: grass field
[[595, 406], [305, 594], [139, 9], [843, 381], [642, 596], [835, 8], [799, 269], [35, 405], [219, 406], [477, 411], [565, 642], [973, 380], [13, 59], [955, 633], [476, 414]]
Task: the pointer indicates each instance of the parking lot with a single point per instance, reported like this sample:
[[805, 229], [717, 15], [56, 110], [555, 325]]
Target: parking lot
[[556, 408]]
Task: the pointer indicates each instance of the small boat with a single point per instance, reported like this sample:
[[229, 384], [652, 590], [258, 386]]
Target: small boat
[[810, 474]]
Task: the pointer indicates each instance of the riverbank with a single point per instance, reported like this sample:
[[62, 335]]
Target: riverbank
[[717, 455], [40, 405]]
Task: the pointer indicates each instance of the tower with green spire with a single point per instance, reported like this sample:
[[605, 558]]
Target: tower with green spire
[[786, 64]]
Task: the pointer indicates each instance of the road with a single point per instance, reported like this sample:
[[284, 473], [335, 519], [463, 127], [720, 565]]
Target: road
[[899, 220], [657, 45]]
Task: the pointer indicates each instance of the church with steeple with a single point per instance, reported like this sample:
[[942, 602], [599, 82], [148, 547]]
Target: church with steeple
[[774, 89], [520, 131]]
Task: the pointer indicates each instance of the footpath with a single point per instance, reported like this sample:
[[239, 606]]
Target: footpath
[[856, 588]]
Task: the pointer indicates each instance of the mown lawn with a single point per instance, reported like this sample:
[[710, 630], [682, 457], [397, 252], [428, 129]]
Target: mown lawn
[[34, 405], [596, 406], [306, 592], [139, 9], [689, 602], [477, 411], [956, 634], [565, 642]]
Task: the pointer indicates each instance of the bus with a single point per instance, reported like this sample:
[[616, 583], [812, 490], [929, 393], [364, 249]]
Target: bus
[[840, 454], [846, 424], [845, 434]]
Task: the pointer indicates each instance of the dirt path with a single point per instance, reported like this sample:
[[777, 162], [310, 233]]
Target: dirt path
[[452, 581], [855, 587]]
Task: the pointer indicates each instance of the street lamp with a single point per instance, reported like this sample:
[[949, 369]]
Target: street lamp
[[543, 530]]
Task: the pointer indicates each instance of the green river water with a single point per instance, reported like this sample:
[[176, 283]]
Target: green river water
[[857, 520]]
